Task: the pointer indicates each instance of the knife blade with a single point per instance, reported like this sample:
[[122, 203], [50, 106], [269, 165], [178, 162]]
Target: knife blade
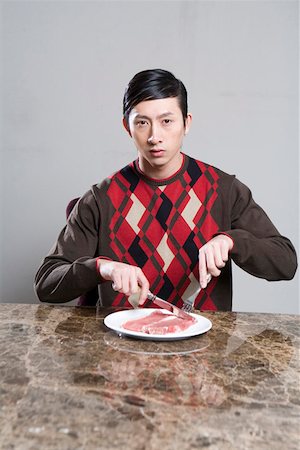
[[168, 306]]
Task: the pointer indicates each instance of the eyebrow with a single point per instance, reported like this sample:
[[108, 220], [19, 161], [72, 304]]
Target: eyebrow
[[161, 116]]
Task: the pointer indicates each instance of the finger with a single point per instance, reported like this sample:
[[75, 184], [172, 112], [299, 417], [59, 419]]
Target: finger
[[143, 286], [219, 262], [210, 262], [116, 282], [202, 269], [125, 283], [208, 278], [133, 283], [224, 250]]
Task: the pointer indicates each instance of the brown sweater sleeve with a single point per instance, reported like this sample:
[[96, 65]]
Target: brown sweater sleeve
[[70, 269], [258, 248]]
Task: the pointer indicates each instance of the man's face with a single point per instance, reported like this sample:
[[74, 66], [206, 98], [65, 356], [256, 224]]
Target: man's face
[[157, 129]]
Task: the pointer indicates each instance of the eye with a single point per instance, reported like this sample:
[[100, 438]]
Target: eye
[[141, 123], [167, 121]]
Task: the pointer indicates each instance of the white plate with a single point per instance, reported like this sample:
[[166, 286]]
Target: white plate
[[115, 322]]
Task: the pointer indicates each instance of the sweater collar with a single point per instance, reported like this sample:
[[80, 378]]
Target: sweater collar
[[164, 181]]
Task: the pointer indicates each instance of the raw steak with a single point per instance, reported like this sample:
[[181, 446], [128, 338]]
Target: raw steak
[[159, 323]]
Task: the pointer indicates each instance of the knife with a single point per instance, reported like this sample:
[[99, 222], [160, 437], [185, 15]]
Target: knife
[[168, 306], [134, 301]]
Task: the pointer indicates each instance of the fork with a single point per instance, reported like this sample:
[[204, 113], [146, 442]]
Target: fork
[[188, 304]]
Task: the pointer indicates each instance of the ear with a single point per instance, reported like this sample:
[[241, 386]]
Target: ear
[[188, 122], [125, 125]]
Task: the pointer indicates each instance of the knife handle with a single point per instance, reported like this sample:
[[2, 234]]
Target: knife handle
[[134, 298]]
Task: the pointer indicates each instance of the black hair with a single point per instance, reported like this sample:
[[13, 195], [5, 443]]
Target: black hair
[[154, 84]]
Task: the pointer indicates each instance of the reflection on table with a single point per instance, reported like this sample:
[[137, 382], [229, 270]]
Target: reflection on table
[[69, 382]]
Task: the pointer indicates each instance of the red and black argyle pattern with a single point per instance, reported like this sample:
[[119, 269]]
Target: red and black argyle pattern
[[160, 228]]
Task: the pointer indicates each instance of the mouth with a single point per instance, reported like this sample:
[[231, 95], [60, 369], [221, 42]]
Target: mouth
[[157, 152]]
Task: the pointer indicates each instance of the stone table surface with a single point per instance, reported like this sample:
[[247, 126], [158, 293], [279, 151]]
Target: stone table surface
[[68, 382]]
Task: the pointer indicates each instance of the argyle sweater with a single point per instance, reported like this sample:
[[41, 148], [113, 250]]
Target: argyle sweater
[[159, 226]]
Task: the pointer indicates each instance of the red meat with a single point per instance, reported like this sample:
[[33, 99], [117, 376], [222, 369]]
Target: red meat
[[159, 323]]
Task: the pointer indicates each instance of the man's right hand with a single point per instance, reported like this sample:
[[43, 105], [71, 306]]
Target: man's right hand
[[125, 278]]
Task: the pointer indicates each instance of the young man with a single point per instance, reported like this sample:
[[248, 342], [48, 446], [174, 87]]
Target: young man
[[166, 221]]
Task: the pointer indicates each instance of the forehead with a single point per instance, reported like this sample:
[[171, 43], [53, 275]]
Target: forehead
[[157, 107]]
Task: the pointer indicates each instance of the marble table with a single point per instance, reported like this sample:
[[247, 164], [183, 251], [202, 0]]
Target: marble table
[[67, 382]]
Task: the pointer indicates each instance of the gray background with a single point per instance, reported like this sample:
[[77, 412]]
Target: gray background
[[65, 68]]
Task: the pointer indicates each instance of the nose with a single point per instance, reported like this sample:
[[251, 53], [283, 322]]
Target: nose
[[155, 136], [154, 139], [151, 140]]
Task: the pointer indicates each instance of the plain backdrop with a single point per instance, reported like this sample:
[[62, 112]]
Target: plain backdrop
[[65, 66]]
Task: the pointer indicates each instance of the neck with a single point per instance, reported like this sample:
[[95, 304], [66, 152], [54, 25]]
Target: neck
[[162, 171]]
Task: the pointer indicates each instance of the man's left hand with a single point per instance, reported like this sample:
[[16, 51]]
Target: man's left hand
[[213, 256]]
